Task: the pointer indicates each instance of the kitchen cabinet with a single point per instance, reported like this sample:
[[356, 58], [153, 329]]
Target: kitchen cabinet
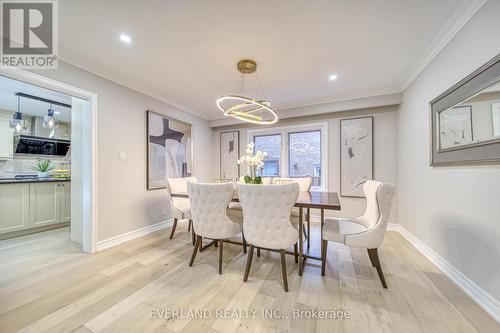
[[14, 207], [30, 205], [44, 203], [6, 139], [50, 203], [65, 202]]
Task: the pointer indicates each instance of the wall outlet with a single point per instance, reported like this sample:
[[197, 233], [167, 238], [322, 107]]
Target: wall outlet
[[163, 211], [123, 156]]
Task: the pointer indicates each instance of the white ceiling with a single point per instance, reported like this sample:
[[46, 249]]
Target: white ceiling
[[8, 99], [185, 52]]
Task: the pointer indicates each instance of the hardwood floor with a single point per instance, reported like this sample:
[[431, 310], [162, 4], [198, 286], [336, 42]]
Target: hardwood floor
[[48, 285]]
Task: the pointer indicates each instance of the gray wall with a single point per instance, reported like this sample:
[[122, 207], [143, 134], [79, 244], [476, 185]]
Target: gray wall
[[124, 204], [454, 210]]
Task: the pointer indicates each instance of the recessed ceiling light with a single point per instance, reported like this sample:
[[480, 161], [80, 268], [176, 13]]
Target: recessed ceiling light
[[125, 38], [333, 77]]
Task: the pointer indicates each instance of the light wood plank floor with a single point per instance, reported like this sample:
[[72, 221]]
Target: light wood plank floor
[[48, 285]]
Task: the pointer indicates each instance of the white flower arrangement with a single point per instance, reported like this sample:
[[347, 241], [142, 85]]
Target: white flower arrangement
[[254, 161]]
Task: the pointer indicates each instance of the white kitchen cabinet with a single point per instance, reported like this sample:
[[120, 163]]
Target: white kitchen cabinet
[[44, 203], [6, 139], [65, 202], [14, 207], [30, 205], [50, 203]]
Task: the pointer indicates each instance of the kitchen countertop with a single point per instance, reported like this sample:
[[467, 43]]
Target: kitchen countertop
[[12, 180]]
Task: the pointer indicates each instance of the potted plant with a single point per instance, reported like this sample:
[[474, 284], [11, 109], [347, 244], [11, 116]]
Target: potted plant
[[42, 167], [254, 162]]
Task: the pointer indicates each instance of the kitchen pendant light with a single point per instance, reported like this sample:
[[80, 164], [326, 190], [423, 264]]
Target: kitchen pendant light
[[49, 121], [253, 110], [17, 122]]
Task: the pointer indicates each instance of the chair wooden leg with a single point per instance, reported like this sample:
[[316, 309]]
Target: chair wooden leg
[[296, 252], [193, 236], [249, 263], [244, 243], [371, 257], [324, 248], [373, 253], [305, 231], [258, 252], [220, 256], [195, 250], [189, 225], [173, 228], [283, 269]]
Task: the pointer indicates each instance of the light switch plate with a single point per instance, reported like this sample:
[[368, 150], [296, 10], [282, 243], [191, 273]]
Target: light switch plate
[[123, 156]]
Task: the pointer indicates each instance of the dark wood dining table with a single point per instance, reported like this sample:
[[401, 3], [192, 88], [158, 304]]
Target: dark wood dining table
[[306, 200]]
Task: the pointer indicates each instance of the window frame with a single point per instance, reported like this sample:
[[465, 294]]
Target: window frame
[[284, 132]]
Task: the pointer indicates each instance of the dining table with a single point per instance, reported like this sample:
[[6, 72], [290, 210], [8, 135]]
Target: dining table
[[306, 200]]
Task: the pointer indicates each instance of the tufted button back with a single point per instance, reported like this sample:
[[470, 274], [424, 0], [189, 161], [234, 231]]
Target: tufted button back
[[266, 214], [209, 204]]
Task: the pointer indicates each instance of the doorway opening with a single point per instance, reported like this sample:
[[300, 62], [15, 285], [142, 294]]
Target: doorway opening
[[47, 158]]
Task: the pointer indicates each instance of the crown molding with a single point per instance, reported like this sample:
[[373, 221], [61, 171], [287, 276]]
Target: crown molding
[[457, 21], [388, 99]]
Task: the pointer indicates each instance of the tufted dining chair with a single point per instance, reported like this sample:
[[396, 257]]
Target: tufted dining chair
[[266, 220], [366, 231], [305, 186], [236, 205], [209, 203], [179, 206]]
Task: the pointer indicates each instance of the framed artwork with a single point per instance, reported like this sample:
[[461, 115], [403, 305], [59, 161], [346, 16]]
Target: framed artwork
[[356, 155], [229, 155], [455, 127], [169, 149]]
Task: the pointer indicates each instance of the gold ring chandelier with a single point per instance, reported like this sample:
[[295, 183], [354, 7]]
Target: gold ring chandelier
[[252, 110]]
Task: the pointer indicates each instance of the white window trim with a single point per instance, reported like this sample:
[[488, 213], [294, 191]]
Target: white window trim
[[284, 131]]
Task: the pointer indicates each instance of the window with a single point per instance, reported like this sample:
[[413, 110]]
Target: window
[[294, 151], [271, 144], [304, 155]]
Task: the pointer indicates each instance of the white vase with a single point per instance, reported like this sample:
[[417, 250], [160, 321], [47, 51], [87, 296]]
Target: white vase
[[43, 174]]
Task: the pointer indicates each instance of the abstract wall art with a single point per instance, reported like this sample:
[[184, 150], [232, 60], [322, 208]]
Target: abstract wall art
[[169, 149], [229, 155], [356, 155]]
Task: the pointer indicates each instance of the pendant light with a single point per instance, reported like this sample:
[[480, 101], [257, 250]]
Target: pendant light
[[17, 122], [49, 121], [250, 109]]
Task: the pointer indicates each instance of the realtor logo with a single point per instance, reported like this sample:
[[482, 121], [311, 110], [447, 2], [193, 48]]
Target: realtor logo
[[29, 34]]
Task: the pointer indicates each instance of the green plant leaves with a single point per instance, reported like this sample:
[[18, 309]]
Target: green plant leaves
[[250, 180], [43, 166]]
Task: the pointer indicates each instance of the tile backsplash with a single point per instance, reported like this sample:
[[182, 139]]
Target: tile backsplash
[[23, 165]]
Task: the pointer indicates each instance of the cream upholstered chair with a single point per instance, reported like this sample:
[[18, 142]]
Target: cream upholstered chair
[[305, 186], [266, 220], [366, 231], [179, 206], [208, 209], [236, 205]]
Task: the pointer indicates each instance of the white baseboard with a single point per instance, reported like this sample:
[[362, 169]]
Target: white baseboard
[[113, 241], [478, 295]]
